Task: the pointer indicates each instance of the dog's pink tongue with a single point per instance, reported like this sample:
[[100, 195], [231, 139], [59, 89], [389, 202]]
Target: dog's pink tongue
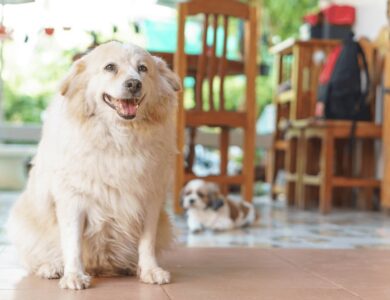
[[129, 108]]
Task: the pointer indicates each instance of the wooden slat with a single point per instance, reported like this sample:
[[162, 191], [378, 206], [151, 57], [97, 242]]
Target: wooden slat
[[385, 196], [355, 182], [222, 64], [232, 67], [311, 179], [201, 66], [340, 128], [217, 178], [216, 118], [285, 97], [280, 145], [286, 47], [211, 65], [291, 177], [293, 133], [228, 7], [296, 80], [210, 139]]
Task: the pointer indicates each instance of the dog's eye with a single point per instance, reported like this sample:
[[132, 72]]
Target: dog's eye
[[200, 194], [142, 68], [110, 68]]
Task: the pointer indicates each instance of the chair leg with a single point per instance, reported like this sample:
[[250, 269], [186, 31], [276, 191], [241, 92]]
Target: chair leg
[[191, 150], [179, 163], [299, 168], [268, 166], [327, 158], [248, 164], [291, 169], [310, 153], [224, 151], [343, 167], [302, 194], [366, 195], [273, 158]]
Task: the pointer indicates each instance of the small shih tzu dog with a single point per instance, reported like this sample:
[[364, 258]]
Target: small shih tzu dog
[[207, 208]]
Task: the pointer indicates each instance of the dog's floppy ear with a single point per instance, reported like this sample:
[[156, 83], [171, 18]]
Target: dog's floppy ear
[[71, 83], [168, 74], [214, 199], [217, 203], [73, 88]]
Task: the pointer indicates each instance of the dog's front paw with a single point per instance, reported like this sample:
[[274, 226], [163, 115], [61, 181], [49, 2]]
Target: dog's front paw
[[75, 281], [50, 271], [155, 276]]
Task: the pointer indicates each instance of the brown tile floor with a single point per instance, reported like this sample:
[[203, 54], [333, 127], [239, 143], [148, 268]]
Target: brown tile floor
[[233, 273]]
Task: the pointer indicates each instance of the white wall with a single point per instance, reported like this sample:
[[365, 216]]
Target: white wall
[[370, 15]]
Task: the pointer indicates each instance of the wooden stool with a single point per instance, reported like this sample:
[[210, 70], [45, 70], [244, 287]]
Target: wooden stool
[[294, 138], [318, 161]]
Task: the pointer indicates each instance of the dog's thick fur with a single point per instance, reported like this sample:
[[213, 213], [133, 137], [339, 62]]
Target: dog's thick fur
[[94, 199]]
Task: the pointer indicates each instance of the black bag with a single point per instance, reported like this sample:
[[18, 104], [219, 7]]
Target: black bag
[[343, 95]]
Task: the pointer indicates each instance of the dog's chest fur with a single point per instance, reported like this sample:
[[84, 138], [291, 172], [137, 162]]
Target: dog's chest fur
[[122, 172], [114, 223]]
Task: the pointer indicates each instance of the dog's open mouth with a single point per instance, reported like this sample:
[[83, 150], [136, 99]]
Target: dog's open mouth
[[125, 107]]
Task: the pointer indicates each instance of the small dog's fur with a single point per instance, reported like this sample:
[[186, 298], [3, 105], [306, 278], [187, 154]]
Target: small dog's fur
[[94, 199], [207, 208]]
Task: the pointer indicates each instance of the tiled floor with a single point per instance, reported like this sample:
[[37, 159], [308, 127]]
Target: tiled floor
[[333, 257], [223, 273], [280, 228], [289, 228]]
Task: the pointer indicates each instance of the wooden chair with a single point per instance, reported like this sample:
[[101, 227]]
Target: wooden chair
[[294, 61], [210, 66], [324, 154], [384, 45]]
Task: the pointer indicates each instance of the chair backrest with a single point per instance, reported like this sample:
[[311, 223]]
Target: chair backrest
[[212, 62]]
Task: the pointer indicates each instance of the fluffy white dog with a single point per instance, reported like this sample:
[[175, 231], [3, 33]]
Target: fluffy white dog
[[94, 200], [207, 208]]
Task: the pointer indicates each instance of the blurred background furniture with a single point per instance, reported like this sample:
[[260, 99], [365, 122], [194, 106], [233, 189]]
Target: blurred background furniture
[[385, 192], [210, 110], [324, 155], [298, 65], [17, 148]]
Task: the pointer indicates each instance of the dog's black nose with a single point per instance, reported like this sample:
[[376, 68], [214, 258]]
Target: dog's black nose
[[133, 85], [192, 201]]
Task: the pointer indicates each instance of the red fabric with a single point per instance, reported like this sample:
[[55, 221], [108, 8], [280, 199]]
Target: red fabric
[[340, 14], [327, 70], [312, 19]]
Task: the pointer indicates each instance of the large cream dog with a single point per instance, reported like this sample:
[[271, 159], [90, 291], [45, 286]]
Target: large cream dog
[[94, 200]]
